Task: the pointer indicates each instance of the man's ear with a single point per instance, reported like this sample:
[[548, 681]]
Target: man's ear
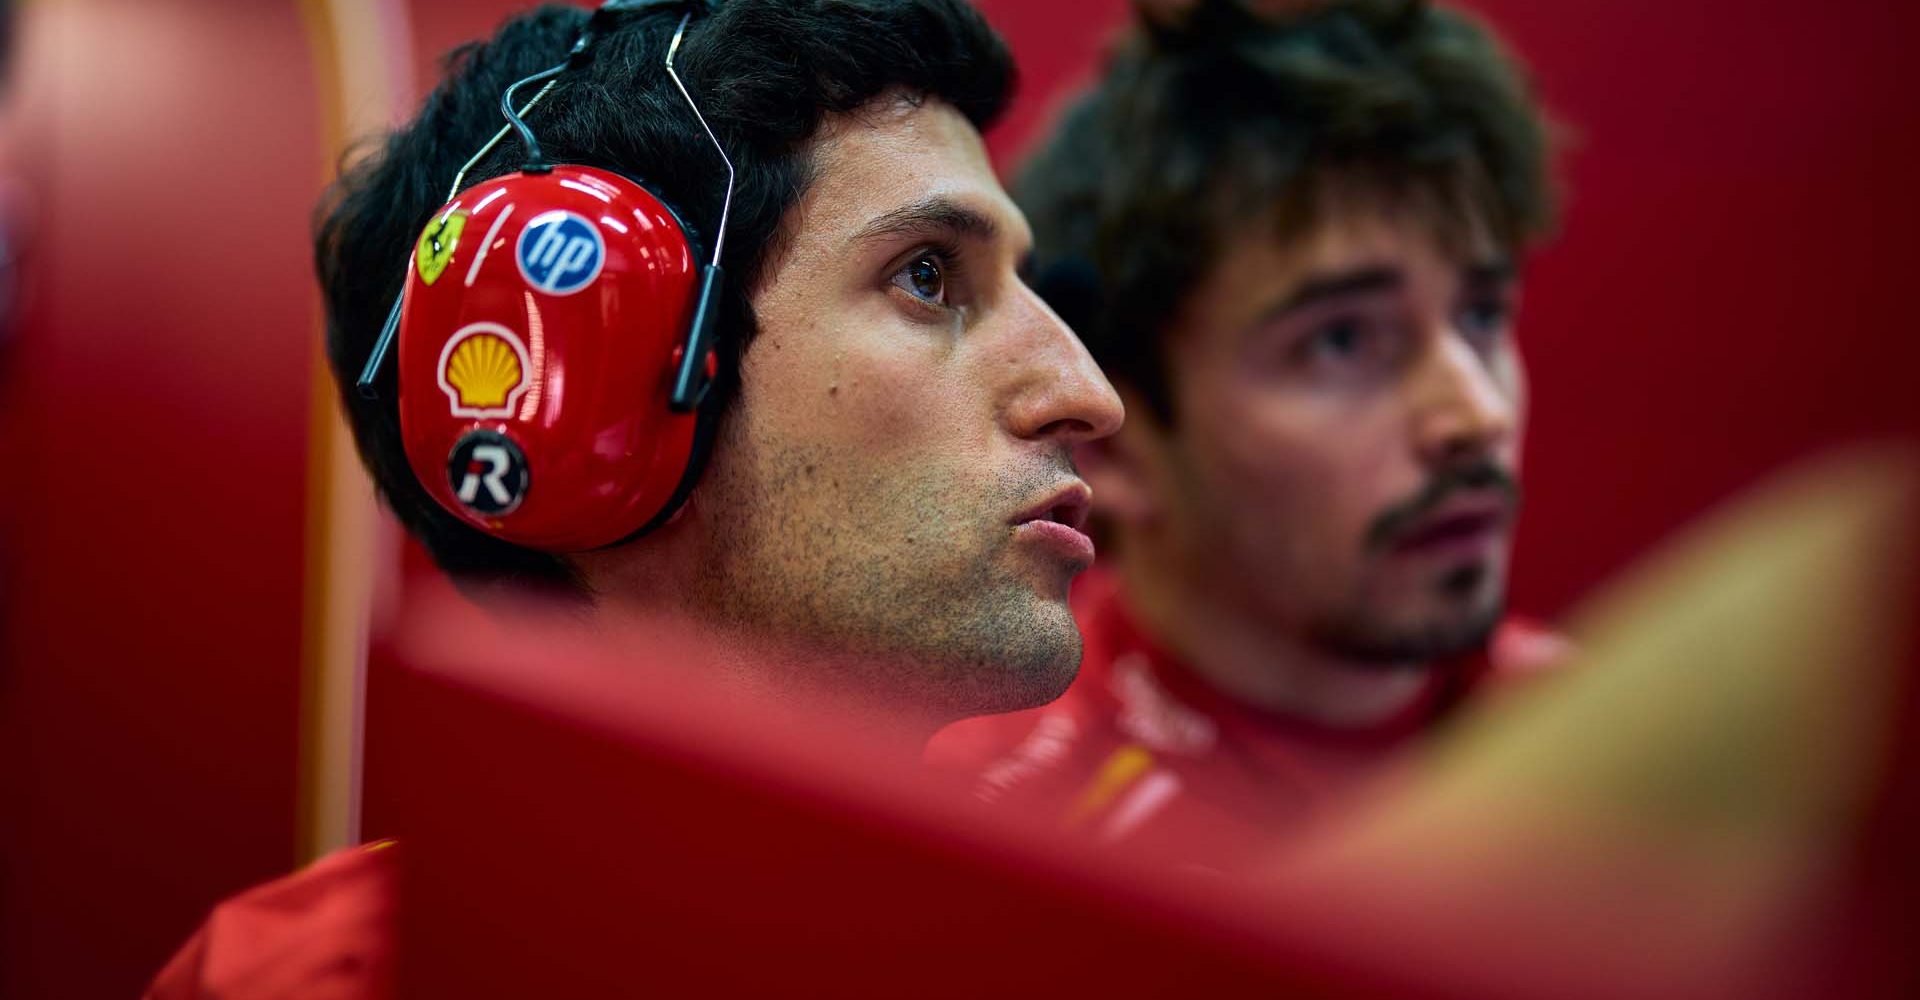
[[1126, 470]]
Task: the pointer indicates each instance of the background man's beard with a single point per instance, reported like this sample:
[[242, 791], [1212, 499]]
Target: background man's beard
[[1476, 475], [1363, 637]]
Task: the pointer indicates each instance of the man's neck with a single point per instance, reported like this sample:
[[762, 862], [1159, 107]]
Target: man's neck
[[787, 679], [851, 692], [1256, 663], [832, 689]]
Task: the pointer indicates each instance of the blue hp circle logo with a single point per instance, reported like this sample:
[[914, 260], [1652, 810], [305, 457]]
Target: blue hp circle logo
[[560, 252]]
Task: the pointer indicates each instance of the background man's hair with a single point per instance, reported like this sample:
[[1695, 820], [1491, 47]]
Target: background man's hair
[[1229, 118], [766, 73]]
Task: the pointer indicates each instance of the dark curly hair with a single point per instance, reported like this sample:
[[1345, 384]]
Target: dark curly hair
[[766, 73], [1199, 128]]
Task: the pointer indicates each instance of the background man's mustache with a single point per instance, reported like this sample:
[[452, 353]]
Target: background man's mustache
[[1472, 477]]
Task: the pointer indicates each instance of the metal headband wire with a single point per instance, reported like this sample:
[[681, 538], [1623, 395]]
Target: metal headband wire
[[383, 345], [461, 177], [726, 206]]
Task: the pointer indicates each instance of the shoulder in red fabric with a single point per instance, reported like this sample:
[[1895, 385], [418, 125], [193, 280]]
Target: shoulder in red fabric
[[322, 933], [1140, 753]]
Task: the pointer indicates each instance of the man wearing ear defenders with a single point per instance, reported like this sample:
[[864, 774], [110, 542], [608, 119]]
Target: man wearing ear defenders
[[1298, 263], [726, 326], [737, 336]]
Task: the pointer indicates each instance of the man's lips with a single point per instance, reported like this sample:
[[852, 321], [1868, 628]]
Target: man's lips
[[1464, 525], [1059, 523], [1067, 505]]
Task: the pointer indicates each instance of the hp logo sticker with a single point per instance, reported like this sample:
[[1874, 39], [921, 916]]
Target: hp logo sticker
[[560, 252]]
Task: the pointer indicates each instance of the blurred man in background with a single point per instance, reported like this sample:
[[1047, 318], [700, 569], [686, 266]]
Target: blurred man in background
[[1291, 236], [889, 515]]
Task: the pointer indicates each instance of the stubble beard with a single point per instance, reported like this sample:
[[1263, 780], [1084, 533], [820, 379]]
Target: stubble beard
[[892, 588], [1468, 600], [1368, 636]]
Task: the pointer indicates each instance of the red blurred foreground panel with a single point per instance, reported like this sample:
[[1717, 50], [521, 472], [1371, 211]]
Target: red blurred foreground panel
[[1674, 817], [577, 828], [1705, 805]]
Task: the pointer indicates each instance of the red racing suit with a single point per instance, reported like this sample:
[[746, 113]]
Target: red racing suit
[[322, 933], [1140, 752]]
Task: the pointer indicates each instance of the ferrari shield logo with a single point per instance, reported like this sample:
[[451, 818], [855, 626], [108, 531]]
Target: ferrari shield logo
[[437, 245]]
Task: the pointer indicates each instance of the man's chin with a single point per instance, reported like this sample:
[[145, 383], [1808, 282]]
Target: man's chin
[[1411, 644], [1019, 651], [1032, 661]]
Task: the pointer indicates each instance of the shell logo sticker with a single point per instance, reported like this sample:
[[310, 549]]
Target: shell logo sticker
[[484, 370], [437, 243]]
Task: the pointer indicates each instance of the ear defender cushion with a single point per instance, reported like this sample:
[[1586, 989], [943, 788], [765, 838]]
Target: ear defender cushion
[[540, 331]]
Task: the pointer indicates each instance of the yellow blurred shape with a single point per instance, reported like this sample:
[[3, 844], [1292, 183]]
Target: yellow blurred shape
[[1126, 764]]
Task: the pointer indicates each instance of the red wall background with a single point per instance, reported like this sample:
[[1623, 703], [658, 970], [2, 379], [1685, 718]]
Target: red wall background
[[1731, 287], [1728, 293], [154, 428]]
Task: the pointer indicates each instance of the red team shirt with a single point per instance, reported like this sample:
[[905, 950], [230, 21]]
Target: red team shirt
[[323, 933], [1140, 752]]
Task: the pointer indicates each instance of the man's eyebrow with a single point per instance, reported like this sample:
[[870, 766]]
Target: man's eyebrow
[[1333, 286], [934, 217]]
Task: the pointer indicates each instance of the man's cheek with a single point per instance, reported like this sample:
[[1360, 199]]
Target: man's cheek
[[1273, 504], [893, 404]]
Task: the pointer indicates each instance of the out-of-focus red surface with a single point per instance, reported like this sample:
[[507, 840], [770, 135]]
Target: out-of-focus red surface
[[596, 815], [604, 827], [585, 820], [154, 428]]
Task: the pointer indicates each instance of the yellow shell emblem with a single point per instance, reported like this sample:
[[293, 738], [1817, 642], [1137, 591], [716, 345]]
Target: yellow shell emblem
[[483, 370], [437, 244]]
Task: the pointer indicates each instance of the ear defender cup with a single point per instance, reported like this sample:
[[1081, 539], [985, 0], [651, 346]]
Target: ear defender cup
[[541, 326]]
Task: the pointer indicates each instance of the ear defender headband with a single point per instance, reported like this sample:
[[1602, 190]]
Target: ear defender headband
[[555, 336]]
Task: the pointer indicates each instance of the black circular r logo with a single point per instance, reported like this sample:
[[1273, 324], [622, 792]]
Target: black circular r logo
[[488, 473]]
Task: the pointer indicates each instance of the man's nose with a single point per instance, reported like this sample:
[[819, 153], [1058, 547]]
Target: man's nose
[[1461, 411], [1060, 393]]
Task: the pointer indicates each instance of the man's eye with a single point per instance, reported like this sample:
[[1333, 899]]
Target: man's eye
[[1339, 340], [925, 278], [1485, 320]]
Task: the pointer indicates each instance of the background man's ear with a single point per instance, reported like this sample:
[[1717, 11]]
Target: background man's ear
[[1126, 470]]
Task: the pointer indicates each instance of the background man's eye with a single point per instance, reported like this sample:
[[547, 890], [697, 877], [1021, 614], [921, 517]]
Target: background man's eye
[[1337, 340], [923, 279], [1483, 318]]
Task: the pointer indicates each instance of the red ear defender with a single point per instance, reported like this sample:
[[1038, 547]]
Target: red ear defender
[[556, 339], [542, 328]]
